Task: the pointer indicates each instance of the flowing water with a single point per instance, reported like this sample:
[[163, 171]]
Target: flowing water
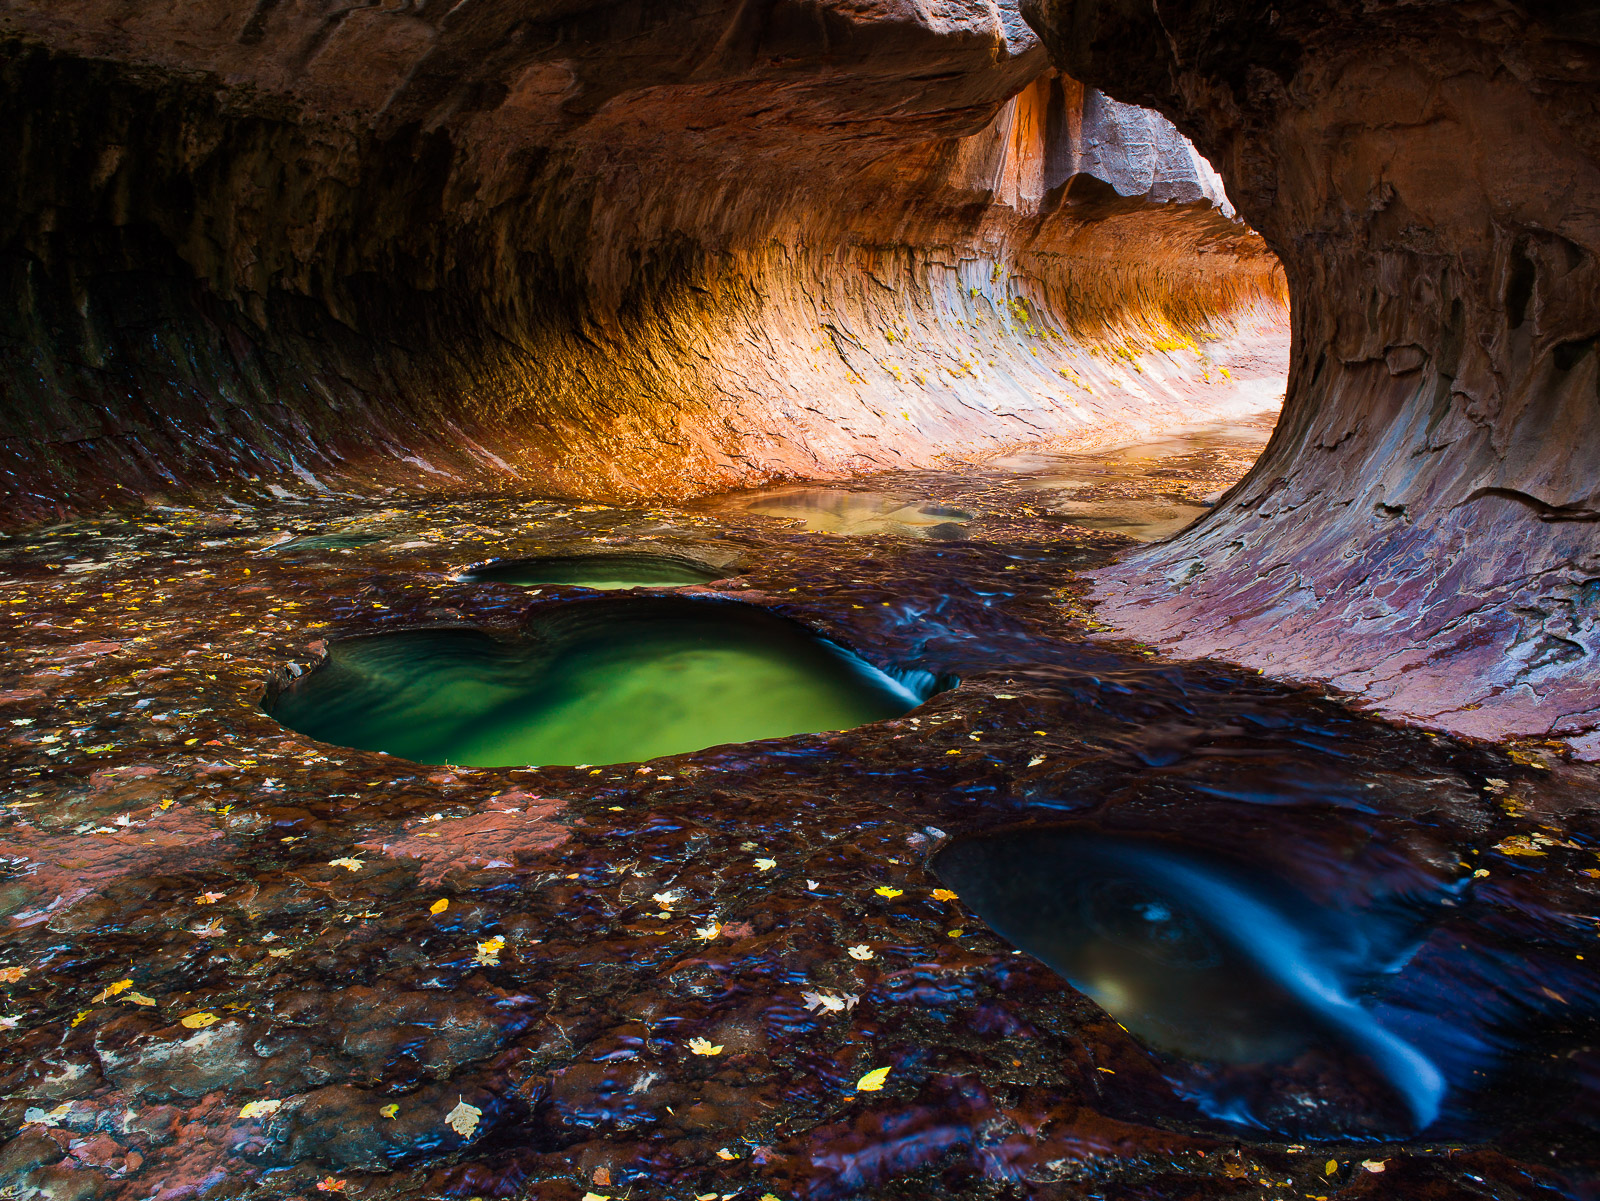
[[598, 682]]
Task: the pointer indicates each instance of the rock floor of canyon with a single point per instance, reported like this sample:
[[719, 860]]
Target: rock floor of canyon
[[241, 964]]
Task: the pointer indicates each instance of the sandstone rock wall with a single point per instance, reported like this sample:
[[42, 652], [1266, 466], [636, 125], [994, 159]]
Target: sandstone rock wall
[[1423, 528], [603, 249]]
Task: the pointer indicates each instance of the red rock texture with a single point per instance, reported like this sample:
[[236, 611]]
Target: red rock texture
[[1422, 529], [600, 249]]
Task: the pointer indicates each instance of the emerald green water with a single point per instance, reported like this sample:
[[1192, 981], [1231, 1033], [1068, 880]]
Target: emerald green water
[[601, 571], [602, 681]]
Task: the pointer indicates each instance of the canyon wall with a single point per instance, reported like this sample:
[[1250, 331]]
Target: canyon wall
[[1422, 529], [599, 249]]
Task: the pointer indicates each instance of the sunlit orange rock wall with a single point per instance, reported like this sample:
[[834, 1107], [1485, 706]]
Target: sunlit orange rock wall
[[1423, 528], [602, 249]]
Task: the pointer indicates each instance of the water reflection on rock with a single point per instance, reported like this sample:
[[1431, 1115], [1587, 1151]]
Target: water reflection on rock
[[841, 511], [1201, 960], [1143, 489]]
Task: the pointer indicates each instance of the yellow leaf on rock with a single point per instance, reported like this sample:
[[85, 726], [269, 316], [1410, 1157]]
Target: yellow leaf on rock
[[943, 894], [112, 990], [349, 864], [873, 1081], [10, 975], [390, 1111], [891, 893], [703, 1046], [138, 998], [1330, 1167], [258, 1109], [439, 906], [199, 1021]]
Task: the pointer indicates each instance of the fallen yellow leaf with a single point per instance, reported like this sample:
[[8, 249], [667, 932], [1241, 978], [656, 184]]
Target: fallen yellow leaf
[[258, 1109], [1330, 1167], [439, 906], [943, 894], [873, 1081], [891, 893], [390, 1111], [199, 1021], [10, 975], [703, 1046], [111, 990]]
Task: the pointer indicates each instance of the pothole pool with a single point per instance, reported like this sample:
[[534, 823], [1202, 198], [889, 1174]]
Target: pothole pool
[[604, 571], [591, 682], [1266, 1003]]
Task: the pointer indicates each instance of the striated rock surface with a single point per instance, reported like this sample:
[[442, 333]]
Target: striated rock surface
[[620, 249], [1423, 528]]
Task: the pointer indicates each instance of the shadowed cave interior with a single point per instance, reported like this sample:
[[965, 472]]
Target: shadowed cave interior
[[799, 599]]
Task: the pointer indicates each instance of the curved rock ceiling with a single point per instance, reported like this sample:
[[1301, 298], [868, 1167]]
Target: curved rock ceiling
[[607, 249], [1423, 528]]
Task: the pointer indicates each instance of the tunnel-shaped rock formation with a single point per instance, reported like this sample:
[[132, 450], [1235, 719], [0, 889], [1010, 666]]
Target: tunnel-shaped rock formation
[[1422, 529], [600, 249]]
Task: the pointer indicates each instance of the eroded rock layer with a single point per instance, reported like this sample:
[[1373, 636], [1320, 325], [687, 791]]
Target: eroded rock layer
[[1422, 530], [602, 250]]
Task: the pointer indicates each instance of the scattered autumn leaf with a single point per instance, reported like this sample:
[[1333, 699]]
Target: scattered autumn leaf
[[766, 865], [329, 1185], [209, 898], [199, 1021], [489, 951], [10, 975], [390, 1111], [111, 990], [709, 932], [724, 1153], [943, 894], [860, 951], [463, 1119], [439, 906], [259, 1109], [872, 1082], [886, 891], [353, 865], [703, 1046]]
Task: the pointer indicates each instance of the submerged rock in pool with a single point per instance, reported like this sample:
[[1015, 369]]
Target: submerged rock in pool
[[592, 681]]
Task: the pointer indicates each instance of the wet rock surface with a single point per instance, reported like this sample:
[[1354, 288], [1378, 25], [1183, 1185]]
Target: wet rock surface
[[619, 250], [1423, 528], [242, 964]]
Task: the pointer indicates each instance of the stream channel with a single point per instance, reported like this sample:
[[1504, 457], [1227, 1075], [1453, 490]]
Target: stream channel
[[927, 888]]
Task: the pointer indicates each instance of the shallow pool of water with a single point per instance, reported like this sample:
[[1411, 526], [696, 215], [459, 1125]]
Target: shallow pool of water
[[841, 511], [1215, 963], [606, 571], [601, 681]]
